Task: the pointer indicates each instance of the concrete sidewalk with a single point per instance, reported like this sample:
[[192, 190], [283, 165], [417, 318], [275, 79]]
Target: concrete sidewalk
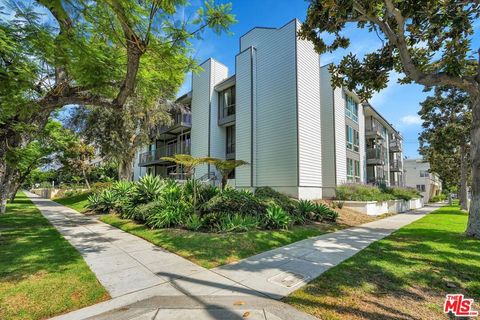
[[134, 272], [148, 282], [279, 272]]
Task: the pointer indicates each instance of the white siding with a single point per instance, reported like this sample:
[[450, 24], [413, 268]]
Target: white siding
[[327, 135], [138, 171], [340, 136], [309, 134], [363, 151], [201, 91], [217, 134], [243, 130], [275, 105]]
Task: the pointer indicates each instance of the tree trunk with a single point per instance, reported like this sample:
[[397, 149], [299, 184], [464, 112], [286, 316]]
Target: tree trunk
[[463, 178], [473, 227], [85, 178], [125, 165], [6, 179]]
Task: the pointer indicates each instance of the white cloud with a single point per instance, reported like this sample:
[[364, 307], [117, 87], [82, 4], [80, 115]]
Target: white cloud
[[411, 119]]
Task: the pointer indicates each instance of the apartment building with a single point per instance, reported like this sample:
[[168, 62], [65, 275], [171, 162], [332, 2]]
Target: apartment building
[[418, 175], [278, 112]]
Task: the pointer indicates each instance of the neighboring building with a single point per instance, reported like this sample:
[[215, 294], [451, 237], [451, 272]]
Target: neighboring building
[[418, 176], [279, 113], [383, 150]]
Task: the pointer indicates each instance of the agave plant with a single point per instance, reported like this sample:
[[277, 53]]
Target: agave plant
[[148, 188], [276, 217]]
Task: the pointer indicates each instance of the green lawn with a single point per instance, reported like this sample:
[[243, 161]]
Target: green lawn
[[77, 202], [211, 249], [404, 276], [41, 274]]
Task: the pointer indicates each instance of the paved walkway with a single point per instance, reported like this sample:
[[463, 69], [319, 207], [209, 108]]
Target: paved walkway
[[148, 282]]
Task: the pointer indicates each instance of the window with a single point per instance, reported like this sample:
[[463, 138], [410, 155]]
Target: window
[[353, 139], [353, 170], [423, 173], [230, 142], [421, 187], [351, 110], [227, 102]]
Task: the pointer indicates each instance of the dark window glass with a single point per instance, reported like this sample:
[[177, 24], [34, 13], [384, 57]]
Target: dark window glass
[[230, 139]]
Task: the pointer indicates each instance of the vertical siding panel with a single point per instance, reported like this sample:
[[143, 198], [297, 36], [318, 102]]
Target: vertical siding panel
[[310, 152], [275, 106], [243, 115], [328, 133], [340, 136]]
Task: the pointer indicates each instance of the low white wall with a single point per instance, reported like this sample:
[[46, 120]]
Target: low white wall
[[375, 208]]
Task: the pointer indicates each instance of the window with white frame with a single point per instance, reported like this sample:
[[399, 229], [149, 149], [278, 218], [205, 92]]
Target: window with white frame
[[353, 138], [423, 173], [351, 109], [353, 170]]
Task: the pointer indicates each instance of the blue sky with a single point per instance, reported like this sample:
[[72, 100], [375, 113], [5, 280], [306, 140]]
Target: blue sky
[[398, 103]]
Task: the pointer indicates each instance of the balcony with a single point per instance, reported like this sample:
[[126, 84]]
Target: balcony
[[182, 120], [395, 145], [375, 156], [155, 156], [373, 129], [396, 165]]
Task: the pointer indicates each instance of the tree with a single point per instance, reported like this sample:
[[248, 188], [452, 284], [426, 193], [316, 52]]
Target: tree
[[47, 148], [226, 167], [189, 164], [77, 158], [447, 122], [428, 41], [98, 53]]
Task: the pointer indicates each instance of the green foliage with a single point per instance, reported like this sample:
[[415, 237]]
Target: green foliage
[[338, 204], [101, 202], [277, 218], [358, 192], [148, 188], [234, 201], [169, 214], [440, 197], [193, 222], [268, 194], [237, 223], [304, 211], [324, 213], [404, 193]]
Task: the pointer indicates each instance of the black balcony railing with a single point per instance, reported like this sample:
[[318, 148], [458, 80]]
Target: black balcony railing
[[373, 129], [395, 145], [165, 151], [396, 165], [181, 118], [376, 156]]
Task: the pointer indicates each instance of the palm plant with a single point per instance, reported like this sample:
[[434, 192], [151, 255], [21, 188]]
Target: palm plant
[[189, 164], [225, 167]]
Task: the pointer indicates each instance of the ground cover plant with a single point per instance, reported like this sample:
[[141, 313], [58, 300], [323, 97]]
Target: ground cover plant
[[360, 192], [405, 275], [41, 274]]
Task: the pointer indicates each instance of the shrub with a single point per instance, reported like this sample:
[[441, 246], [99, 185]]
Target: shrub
[[99, 186], [440, 197], [171, 214], [232, 201], [170, 191], [403, 193], [204, 191], [358, 192], [147, 189], [143, 211], [277, 218], [269, 195], [101, 202], [236, 223], [303, 211], [194, 222], [324, 213]]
